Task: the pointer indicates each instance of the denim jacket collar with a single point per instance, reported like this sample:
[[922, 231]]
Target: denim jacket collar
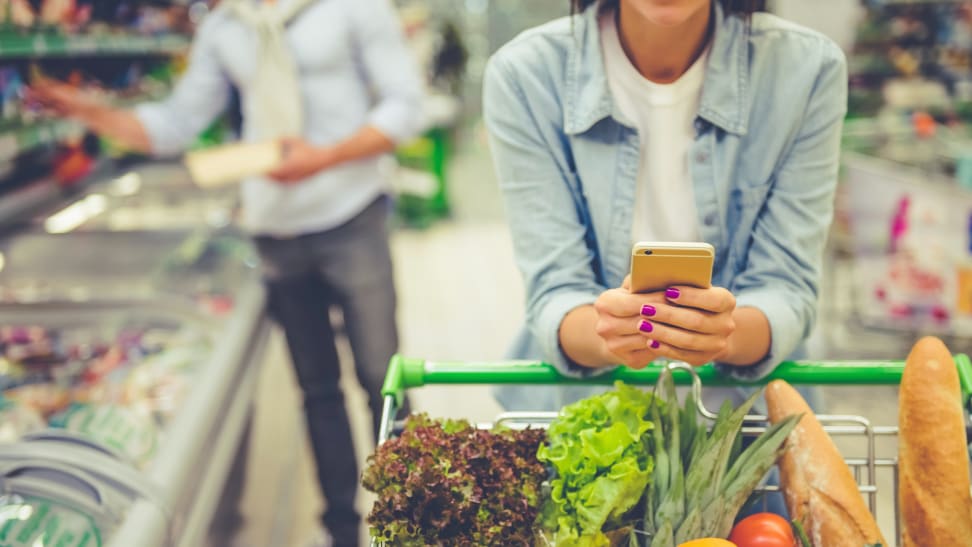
[[588, 99]]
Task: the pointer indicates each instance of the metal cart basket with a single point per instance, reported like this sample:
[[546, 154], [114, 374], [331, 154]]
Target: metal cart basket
[[404, 373]]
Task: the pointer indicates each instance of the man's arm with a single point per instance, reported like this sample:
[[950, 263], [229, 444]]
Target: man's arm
[[302, 160], [163, 128], [389, 67]]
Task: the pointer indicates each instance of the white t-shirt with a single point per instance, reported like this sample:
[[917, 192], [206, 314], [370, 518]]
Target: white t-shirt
[[664, 115]]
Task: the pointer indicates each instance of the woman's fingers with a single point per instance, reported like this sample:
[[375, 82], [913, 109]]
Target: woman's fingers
[[640, 359], [682, 323], [683, 339], [608, 325], [694, 358], [621, 345], [715, 299], [689, 319], [621, 303]]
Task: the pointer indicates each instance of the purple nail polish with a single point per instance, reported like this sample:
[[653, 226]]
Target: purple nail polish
[[672, 293], [655, 344], [648, 310], [645, 326]]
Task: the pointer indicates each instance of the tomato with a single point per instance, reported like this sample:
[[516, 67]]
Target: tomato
[[763, 530], [708, 542]]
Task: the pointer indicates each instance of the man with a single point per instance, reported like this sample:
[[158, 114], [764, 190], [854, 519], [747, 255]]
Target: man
[[333, 81]]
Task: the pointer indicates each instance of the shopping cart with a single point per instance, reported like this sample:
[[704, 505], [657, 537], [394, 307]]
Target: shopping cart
[[404, 373]]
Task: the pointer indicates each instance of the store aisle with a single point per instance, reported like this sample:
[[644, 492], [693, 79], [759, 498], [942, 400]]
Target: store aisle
[[460, 298]]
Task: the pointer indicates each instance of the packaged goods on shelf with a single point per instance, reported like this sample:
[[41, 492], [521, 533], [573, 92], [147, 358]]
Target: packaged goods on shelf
[[76, 16], [118, 388]]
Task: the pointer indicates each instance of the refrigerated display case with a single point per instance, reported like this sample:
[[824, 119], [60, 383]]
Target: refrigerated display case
[[155, 196], [131, 329]]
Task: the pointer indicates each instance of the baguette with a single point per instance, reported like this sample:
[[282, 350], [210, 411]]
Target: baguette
[[933, 458], [820, 491]]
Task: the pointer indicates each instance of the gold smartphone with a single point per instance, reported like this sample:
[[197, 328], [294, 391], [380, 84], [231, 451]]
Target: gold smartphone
[[655, 266]]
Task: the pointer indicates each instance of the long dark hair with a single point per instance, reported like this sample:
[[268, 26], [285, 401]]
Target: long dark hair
[[742, 7]]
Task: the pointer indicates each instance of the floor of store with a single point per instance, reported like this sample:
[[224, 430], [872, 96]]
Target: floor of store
[[461, 299]]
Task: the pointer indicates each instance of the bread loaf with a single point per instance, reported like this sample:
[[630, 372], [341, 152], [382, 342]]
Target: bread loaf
[[820, 491], [933, 457]]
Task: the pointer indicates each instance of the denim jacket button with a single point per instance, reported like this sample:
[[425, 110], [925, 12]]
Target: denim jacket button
[[701, 157], [709, 219]]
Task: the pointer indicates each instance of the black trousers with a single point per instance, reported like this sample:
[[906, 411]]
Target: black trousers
[[348, 268]]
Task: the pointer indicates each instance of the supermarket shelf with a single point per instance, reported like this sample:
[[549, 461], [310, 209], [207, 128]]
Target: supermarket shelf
[[19, 203], [55, 45], [28, 198], [194, 462], [13, 143], [48, 132]]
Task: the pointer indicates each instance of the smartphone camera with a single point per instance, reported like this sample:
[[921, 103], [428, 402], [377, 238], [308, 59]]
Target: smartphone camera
[[648, 251]]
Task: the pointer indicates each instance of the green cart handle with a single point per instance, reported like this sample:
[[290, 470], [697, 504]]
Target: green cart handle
[[405, 373]]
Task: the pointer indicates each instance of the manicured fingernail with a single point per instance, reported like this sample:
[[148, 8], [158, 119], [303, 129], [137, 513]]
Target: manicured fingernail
[[645, 326], [673, 293], [648, 310], [655, 344]]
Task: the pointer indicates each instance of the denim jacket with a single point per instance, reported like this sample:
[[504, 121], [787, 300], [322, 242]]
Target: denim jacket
[[763, 164]]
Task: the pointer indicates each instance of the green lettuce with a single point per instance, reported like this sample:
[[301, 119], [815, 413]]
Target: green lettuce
[[598, 450]]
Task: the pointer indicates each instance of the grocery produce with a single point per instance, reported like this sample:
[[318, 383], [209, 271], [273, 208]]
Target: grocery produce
[[71, 16], [17, 12], [449, 483], [820, 491], [763, 530], [703, 477], [933, 461], [632, 466], [599, 451], [628, 467]]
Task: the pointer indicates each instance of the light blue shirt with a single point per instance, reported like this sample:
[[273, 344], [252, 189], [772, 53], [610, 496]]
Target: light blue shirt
[[763, 166], [354, 69]]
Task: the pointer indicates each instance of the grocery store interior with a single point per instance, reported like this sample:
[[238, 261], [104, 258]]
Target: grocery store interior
[[147, 395]]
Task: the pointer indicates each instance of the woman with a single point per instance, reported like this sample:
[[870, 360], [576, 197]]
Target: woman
[[335, 81], [666, 120]]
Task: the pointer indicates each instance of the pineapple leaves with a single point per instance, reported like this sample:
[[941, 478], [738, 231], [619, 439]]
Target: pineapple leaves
[[708, 475]]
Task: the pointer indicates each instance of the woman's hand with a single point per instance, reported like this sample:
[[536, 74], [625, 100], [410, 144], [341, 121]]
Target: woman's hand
[[681, 323], [618, 321], [300, 160], [690, 324]]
